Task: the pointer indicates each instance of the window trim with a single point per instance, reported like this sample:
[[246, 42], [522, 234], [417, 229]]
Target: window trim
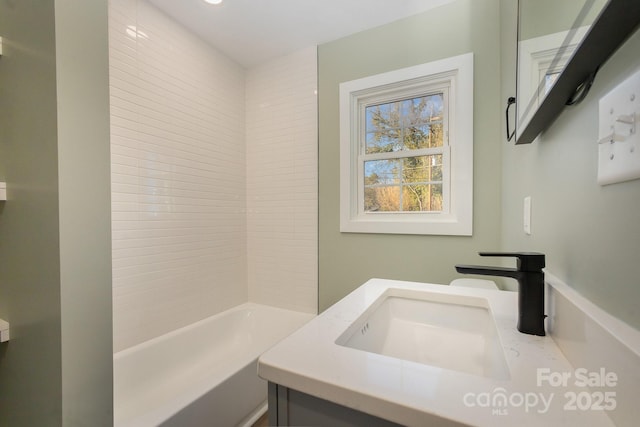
[[457, 73]]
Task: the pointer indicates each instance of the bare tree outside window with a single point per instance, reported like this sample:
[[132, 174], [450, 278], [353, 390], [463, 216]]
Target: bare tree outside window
[[404, 182]]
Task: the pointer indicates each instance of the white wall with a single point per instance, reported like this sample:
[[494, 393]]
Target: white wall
[[184, 175], [178, 175], [282, 188]]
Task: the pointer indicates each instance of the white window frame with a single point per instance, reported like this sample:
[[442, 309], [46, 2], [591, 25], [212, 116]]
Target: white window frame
[[455, 76]]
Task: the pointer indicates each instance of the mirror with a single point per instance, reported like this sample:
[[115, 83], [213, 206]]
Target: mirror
[[549, 32], [561, 45]]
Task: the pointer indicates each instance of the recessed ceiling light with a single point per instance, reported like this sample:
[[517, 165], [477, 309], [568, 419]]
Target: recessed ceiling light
[[213, 1]]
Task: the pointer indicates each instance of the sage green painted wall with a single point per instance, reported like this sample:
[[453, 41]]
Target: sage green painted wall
[[30, 363], [589, 233], [542, 17], [84, 185], [346, 260], [55, 258]]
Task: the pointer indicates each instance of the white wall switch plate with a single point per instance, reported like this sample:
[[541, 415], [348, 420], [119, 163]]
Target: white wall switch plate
[[4, 331], [527, 215], [619, 133]]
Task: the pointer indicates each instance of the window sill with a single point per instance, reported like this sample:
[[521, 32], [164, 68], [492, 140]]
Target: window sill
[[442, 225]]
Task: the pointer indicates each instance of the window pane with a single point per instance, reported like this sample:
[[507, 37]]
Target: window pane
[[425, 198], [378, 142], [423, 136], [423, 169], [382, 199], [405, 184], [382, 172], [423, 109], [410, 124], [383, 128], [549, 79], [383, 117]]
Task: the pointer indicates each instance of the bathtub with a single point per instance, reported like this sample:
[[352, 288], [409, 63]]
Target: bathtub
[[203, 374]]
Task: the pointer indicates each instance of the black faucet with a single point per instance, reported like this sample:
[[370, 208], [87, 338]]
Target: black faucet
[[530, 286]]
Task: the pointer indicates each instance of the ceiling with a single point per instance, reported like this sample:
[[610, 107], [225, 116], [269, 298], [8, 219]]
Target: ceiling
[[254, 31]]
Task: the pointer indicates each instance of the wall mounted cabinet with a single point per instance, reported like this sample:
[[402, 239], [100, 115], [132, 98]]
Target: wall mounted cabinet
[[564, 79]]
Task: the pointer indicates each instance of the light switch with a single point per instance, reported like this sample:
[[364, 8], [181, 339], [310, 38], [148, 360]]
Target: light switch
[[619, 133], [4, 330]]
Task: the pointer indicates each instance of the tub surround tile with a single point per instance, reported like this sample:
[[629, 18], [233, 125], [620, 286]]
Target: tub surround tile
[[214, 195], [178, 173], [282, 182]]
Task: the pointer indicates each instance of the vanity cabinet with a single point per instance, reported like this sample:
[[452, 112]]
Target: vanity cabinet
[[316, 380], [289, 407]]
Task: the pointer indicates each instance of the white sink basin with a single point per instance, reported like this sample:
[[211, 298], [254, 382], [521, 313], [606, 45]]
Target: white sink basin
[[454, 332]]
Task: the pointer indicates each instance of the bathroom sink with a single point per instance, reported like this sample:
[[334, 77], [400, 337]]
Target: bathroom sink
[[455, 332]]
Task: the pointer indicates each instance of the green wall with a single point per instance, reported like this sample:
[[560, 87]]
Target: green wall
[[55, 253], [84, 185], [346, 260], [590, 234], [542, 17], [30, 363]]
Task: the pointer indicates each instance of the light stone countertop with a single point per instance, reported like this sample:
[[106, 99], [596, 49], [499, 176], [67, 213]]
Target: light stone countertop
[[414, 394]]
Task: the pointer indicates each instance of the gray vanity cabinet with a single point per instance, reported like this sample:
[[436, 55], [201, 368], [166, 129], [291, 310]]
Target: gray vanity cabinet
[[289, 407]]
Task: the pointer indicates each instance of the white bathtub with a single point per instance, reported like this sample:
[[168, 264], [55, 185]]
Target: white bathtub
[[203, 374]]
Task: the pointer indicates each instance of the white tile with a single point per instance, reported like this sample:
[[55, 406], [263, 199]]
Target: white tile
[[175, 170], [281, 236], [196, 144]]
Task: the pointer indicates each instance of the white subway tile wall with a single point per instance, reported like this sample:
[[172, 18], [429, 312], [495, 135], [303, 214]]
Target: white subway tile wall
[[184, 174], [282, 189], [178, 175]]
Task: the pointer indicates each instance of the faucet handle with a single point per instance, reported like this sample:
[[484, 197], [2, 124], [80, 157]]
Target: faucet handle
[[527, 261]]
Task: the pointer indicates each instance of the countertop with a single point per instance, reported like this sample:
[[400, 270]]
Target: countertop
[[413, 394]]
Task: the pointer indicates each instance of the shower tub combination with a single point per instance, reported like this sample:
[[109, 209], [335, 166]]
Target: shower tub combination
[[201, 374]]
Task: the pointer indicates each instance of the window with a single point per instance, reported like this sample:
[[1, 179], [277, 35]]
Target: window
[[403, 154], [407, 150]]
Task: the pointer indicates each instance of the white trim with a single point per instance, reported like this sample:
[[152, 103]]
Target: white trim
[[458, 217]]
